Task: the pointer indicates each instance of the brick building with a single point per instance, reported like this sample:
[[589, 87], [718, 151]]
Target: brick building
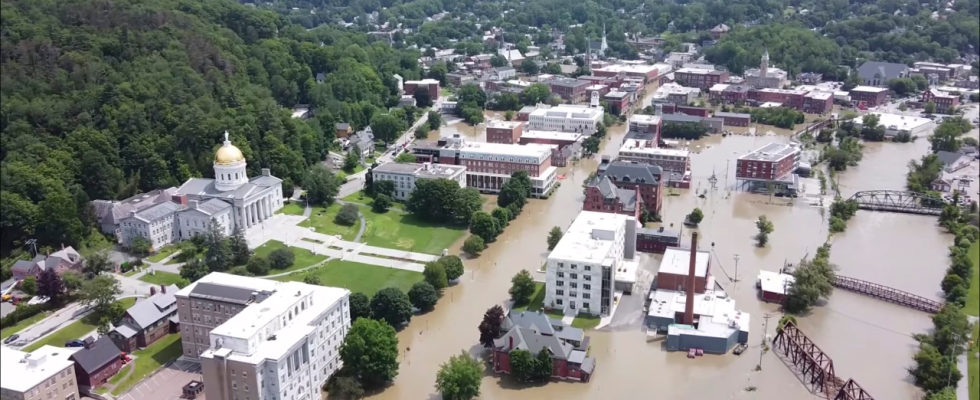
[[644, 72], [656, 240], [734, 119], [788, 98], [674, 268], [699, 78], [567, 144], [650, 124], [619, 102], [817, 102], [95, 363], [870, 96], [676, 162], [430, 85], [507, 132], [648, 178], [601, 195], [695, 111], [944, 101], [536, 331], [568, 88], [771, 162], [148, 320]]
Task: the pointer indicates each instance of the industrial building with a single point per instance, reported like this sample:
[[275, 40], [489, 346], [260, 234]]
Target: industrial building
[[706, 321], [897, 123], [773, 286], [674, 274]]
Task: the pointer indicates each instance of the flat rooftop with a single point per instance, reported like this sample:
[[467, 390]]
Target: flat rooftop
[[774, 282], [551, 135], [23, 371], [699, 71], [732, 115], [645, 119], [498, 124], [473, 150], [649, 147], [719, 87], [235, 281], [771, 152], [782, 91], [423, 170], [820, 95], [626, 272], [590, 237], [673, 88], [569, 111], [870, 89], [715, 310], [677, 261], [897, 121], [630, 69]]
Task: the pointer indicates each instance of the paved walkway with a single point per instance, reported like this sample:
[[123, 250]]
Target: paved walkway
[[963, 387]]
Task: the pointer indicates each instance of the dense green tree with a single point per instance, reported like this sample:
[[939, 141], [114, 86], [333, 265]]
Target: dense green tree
[[673, 130], [929, 108], [459, 378], [240, 252], [544, 366], [484, 226], [423, 296], [381, 203], [523, 365], [871, 130], [29, 285], [696, 216], [453, 265], [360, 306], [194, 269], [139, 246], [392, 306], [370, 352], [473, 245], [765, 227], [434, 120], [258, 266], [490, 326], [387, 127], [344, 388], [435, 274], [522, 287], [498, 60], [97, 263], [923, 172], [218, 255], [934, 371], [352, 159], [590, 145], [947, 135], [348, 215], [281, 259], [502, 215], [321, 186], [537, 93], [384, 187], [71, 281], [100, 294], [442, 200], [554, 236]]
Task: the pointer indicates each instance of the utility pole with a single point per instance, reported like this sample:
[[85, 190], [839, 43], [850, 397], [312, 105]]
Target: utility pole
[[765, 331], [736, 272]]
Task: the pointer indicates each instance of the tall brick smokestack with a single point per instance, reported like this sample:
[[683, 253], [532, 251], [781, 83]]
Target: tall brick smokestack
[[689, 303]]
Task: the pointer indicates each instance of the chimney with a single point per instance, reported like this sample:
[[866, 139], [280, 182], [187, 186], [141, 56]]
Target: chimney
[[163, 288], [153, 290], [689, 301], [266, 172], [512, 343], [192, 204], [62, 246]]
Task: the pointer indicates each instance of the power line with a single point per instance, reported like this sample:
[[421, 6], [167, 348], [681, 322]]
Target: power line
[[765, 331]]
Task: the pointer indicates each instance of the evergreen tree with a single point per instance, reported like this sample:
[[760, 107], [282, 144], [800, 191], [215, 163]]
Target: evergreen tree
[[239, 247], [218, 257]]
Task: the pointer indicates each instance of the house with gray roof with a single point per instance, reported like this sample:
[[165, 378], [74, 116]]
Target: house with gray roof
[[110, 212], [98, 361], [602, 195], [364, 140], [148, 320], [534, 332], [953, 161], [66, 259], [646, 179], [877, 73]]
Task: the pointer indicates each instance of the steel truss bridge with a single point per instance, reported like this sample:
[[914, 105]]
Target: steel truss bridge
[[898, 201], [814, 366]]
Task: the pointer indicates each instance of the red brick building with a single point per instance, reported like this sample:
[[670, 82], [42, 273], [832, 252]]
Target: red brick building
[[98, 361], [507, 132], [568, 88], [656, 240], [650, 124], [818, 102], [870, 96], [944, 101], [601, 195], [699, 78], [431, 85], [148, 320], [675, 266], [696, 111], [524, 113], [788, 98], [619, 102], [771, 162], [647, 178], [533, 332], [734, 119]]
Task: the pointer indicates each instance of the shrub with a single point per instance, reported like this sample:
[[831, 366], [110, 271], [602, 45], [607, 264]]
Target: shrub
[[258, 266], [474, 245], [347, 215], [435, 275], [281, 259], [423, 296]]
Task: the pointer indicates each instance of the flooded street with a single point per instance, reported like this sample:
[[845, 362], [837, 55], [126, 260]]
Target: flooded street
[[869, 340]]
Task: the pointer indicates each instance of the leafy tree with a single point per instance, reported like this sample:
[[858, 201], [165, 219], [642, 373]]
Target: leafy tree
[[551, 68], [370, 352], [523, 365], [422, 98], [509, 115], [405, 158], [554, 236], [498, 60], [352, 159], [947, 135], [387, 127], [535, 93], [765, 228], [934, 371], [140, 246], [812, 280], [239, 247], [381, 203], [29, 285], [502, 215], [490, 325], [453, 265], [467, 202], [194, 270], [240, 270], [49, 285], [321, 186], [97, 263], [930, 108], [949, 393], [522, 287], [442, 200], [360, 306], [484, 226], [675, 130], [392, 306], [281, 259], [474, 245], [258, 266], [434, 120], [100, 294], [544, 366], [218, 255], [871, 130], [344, 388], [470, 95], [421, 133], [384, 187], [459, 378], [71, 281], [590, 145], [423, 296], [696, 216], [348, 215], [435, 275], [923, 172]]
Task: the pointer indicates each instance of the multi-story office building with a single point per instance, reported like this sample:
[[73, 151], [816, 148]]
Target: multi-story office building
[[773, 161], [581, 271], [647, 152], [943, 101], [786, 97], [429, 85], [700, 78], [405, 175], [676, 94], [565, 118], [212, 300], [568, 88], [284, 345], [43, 374], [818, 102], [507, 132], [869, 95], [646, 124]]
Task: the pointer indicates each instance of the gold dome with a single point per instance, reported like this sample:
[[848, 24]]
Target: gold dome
[[228, 154]]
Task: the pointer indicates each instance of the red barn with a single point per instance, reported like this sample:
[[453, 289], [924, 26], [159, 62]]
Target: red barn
[[98, 361]]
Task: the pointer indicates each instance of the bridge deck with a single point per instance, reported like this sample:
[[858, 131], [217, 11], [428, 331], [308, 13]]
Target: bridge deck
[[887, 294], [898, 201]]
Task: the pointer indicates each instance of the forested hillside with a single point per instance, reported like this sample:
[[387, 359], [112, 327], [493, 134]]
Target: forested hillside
[[108, 98]]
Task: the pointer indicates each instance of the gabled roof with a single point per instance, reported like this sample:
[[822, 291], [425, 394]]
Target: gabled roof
[[102, 352], [947, 157], [885, 69], [23, 266], [529, 340], [342, 126], [619, 171], [159, 306]]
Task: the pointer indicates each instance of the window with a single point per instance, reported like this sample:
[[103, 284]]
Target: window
[[561, 274], [558, 301], [559, 292], [560, 283], [574, 266], [586, 286], [586, 296], [588, 267], [585, 305], [574, 285], [588, 277]]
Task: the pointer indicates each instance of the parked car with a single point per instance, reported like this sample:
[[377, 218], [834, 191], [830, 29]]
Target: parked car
[[75, 343], [10, 339]]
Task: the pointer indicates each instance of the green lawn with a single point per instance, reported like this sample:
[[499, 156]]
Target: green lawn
[[161, 278], [322, 221], [360, 278], [149, 360], [164, 252], [73, 331], [586, 322], [401, 230], [973, 308], [292, 208], [537, 300], [304, 258], [23, 324], [359, 198]]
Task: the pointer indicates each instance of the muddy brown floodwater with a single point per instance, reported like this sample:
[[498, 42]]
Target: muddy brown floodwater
[[869, 340]]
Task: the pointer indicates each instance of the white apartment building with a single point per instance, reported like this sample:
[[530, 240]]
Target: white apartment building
[[566, 118], [283, 347], [43, 374], [581, 271], [647, 152], [405, 175]]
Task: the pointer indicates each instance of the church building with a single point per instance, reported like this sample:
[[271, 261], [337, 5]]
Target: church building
[[231, 199]]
